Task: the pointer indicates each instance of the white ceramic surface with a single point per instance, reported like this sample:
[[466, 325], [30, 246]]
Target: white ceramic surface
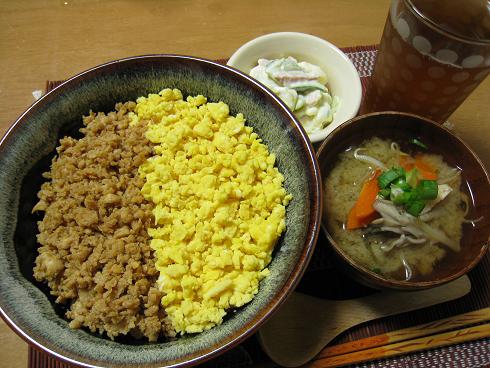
[[343, 78]]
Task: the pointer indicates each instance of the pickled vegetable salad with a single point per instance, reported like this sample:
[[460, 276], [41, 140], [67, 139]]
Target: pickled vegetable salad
[[302, 87]]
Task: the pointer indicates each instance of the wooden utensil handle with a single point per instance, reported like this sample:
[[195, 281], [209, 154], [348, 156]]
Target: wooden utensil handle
[[394, 302], [400, 348], [431, 328], [305, 324]]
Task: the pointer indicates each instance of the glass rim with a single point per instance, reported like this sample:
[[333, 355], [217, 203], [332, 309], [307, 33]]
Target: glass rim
[[430, 23]]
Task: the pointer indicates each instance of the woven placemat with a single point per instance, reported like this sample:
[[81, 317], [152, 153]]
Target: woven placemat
[[321, 279]]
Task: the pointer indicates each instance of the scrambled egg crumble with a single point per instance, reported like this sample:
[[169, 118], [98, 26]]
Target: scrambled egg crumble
[[219, 206]]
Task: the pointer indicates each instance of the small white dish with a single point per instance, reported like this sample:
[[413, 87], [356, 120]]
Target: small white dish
[[343, 79]]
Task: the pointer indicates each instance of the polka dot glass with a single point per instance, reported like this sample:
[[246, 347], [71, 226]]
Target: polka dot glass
[[423, 69]]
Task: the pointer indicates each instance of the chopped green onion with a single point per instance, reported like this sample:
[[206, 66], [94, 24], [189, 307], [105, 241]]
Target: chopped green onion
[[415, 207], [427, 189], [402, 198], [399, 170], [419, 143], [404, 189], [376, 270], [385, 193], [412, 177], [395, 192], [402, 184], [390, 176]]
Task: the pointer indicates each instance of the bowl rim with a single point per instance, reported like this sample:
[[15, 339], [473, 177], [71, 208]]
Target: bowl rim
[[297, 271], [356, 91], [391, 283]]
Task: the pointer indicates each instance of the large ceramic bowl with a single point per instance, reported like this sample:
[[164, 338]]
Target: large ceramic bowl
[[343, 79], [401, 128], [25, 153]]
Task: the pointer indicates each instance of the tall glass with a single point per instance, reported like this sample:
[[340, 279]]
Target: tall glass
[[432, 55]]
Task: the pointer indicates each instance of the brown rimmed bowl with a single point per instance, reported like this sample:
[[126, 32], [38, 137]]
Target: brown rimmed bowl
[[402, 127], [26, 151]]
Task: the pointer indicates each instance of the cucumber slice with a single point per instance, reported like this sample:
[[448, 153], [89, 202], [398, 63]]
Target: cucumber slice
[[307, 85]]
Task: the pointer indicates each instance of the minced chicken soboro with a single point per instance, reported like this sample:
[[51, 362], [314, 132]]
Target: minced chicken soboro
[[342, 188], [95, 251]]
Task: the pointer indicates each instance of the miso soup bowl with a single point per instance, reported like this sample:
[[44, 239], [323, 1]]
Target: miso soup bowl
[[402, 127], [26, 152]]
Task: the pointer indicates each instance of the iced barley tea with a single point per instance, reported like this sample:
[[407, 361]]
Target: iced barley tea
[[430, 60]]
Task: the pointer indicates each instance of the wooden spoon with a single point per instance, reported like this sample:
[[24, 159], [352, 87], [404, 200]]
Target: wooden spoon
[[304, 324]]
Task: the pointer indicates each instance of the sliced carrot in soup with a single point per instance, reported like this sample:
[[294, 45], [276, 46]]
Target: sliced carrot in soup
[[369, 191], [427, 171], [353, 222], [363, 212], [406, 162]]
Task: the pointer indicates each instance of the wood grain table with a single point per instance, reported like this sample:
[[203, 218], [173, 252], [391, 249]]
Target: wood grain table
[[55, 39]]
